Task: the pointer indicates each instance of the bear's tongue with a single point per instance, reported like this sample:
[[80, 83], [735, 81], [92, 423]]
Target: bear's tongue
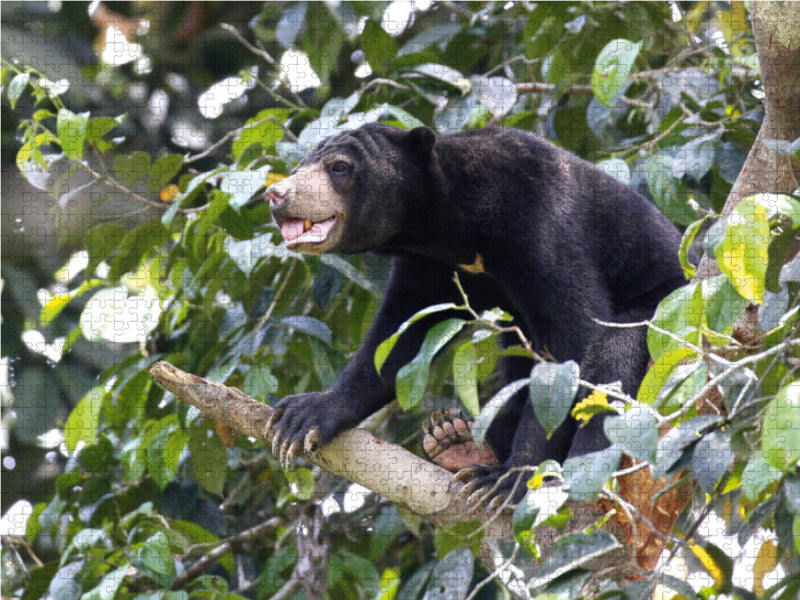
[[297, 231]]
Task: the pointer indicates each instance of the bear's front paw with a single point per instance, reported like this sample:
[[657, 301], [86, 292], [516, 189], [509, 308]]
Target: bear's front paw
[[300, 422], [491, 486]]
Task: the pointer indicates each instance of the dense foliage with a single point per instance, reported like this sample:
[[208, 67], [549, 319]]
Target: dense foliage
[[170, 256]]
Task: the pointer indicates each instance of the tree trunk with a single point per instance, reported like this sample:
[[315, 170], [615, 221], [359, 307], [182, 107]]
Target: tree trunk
[[776, 26]]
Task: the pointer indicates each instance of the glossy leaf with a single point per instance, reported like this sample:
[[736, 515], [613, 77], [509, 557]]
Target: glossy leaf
[[586, 475], [780, 433], [155, 560], [493, 407], [15, 88], [636, 432], [84, 419], [71, 129], [465, 376], [612, 67], [383, 350], [743, 254], [163, 170], [552, 391], [711, 458], [657, 375], [570, 552], [412, 379]]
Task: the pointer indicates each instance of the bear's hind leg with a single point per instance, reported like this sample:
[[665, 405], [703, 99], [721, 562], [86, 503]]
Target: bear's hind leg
[[448, 443]]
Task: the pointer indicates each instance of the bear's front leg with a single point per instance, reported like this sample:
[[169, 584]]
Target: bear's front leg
[[307, 421], [302, 422]]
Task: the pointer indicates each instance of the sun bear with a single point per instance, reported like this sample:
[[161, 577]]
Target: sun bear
[[529, 227]]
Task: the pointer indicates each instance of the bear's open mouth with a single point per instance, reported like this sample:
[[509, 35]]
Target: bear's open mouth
[[305, 231]]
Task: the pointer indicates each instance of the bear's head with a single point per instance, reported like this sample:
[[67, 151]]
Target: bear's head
[[354, 191]]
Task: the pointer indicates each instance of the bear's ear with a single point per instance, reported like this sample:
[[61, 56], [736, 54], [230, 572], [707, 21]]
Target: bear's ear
[[421, 140]]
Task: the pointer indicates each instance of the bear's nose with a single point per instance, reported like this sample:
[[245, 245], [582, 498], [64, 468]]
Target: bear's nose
[[275, 196]]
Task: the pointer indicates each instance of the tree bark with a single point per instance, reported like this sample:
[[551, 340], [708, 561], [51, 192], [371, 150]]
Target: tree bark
[[776, 27], [389, 470]]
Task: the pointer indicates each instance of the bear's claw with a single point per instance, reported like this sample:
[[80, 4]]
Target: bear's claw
[[488, 485]]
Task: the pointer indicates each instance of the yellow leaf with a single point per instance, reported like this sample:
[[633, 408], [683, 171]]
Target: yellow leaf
[[710, 564], [766, 561], [594, 403]]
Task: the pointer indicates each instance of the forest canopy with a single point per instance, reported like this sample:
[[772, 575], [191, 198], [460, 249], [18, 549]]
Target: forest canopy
[[137, 142]]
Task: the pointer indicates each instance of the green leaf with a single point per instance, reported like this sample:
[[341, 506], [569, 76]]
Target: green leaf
[[696, 157], [669, 193], [99, 126], [617, 168], [311, 326], [635, 431], [163, 170], [552, 392], [38, 584], [412, 379], [301, 483], [687, 240], [779, 204], [71, 129], [722, 306], [780, 433], [155, 561], [130, 170], [100, 241], [259, 382], [680, 313], [59, 302], [570, 552], [743, 254], [16, 87], [465, 376], [711, 458], [84, 419], [671, 447], [112, 314], [536, 507], [265, 134], [758, 475], [718, 564], [109, 585], [493, 407], [349, 567], [408, 120], [682, 386], [135, 245], [378, 46], [386, 346], [657, 375], [208, 459], [243, 185], [586, 475], [612, 67]]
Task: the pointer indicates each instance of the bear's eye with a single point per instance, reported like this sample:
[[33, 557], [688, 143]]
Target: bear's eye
[[340, 167]]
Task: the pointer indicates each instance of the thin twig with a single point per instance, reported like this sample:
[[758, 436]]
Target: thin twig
[[257, 51], [213, 555], [263, 320], [495, 573]]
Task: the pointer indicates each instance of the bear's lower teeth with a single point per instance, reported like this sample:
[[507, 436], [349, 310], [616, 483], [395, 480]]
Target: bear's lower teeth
[[307, 225]]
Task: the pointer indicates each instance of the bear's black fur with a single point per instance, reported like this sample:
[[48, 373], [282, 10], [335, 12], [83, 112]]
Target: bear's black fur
[[531, 228]]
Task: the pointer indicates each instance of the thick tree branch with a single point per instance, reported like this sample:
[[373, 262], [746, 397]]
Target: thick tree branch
[[385, 468]]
